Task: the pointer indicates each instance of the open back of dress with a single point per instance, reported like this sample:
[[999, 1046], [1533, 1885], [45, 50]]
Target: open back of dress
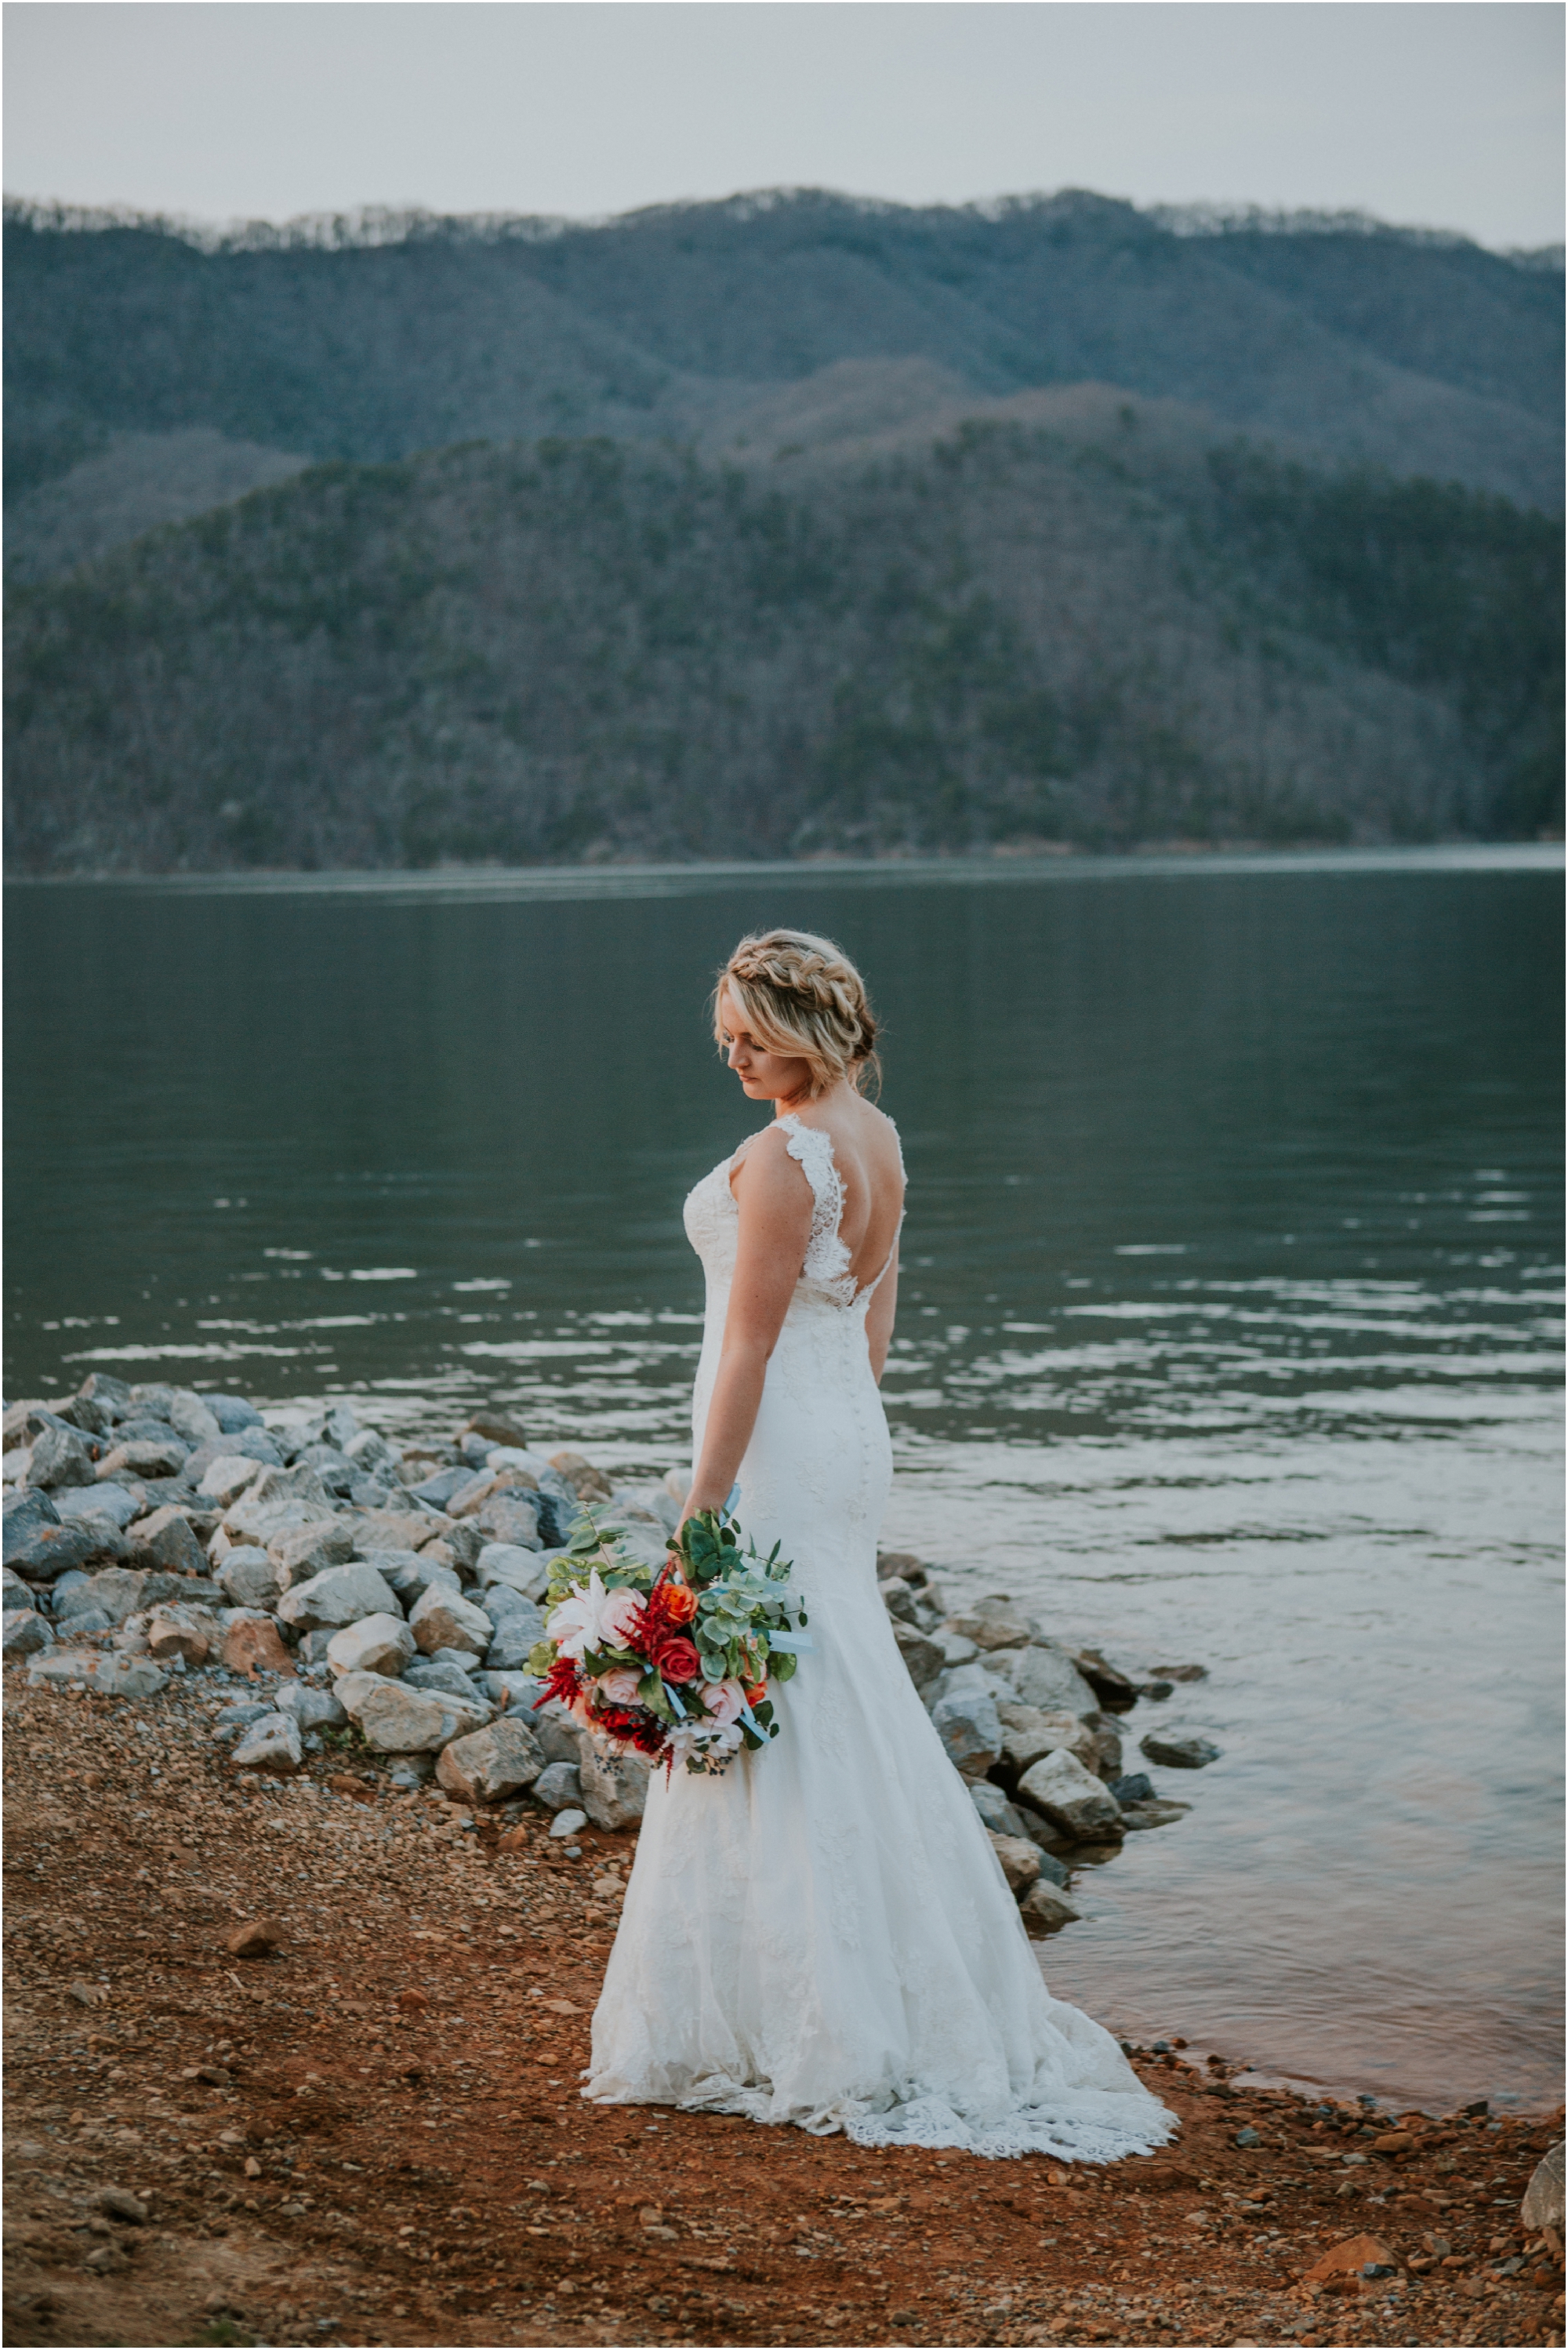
[[823, 1934]]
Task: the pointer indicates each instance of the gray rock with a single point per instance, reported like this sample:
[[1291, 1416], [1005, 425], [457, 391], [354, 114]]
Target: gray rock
[[225, 1478], [146, 1454], [426, 1673], [1153, 1815], [25, 1633], [24, 1514], [376, 1643], [340, 1595], [520, 1569], [312, 1709], [615, 1788], [248, 1578], [334, 1469], [922, 1657], [1028, 1735], [558, 1786], [50, 1551], [19, 1593], [302, 1552], [966, 1721], [276, 1486], [956, 1648], [993, 1623], [60, 1457], [108, 1676], [1045, 1909], [93, 1619], [410, 1573], [557, 1733], [518, 1628], [491, 1764], [111, 1395], [442, 1620], [367, 1452], [1137, 1787], [438, 1490], [398, 1720], [233, 1413], [1070, 1797], [513, 1518], [164, 1539], [272, 1744], [1020, 1858], [188, 1416], [1542, 2204], [568, 1824], [314, 1647], [107, 1501], [1043, 1675], [1178, 1753], [519, 1692], [1001, 1817], [118, 1591], [410, 1771]]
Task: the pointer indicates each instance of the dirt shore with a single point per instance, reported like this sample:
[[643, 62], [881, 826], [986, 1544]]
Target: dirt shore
[[372, 2134]]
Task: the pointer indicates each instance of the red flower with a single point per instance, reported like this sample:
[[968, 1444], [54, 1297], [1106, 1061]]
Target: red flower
[[564, 1682], [680, 1602], [678, 1659]]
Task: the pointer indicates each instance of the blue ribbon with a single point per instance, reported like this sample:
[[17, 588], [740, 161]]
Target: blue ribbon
[[675, 1702], [792, 1644]]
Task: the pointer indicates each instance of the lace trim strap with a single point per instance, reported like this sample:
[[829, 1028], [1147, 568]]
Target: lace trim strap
[[827, 1258]]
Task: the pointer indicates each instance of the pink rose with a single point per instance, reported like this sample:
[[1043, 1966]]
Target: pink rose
[[621, 1618], [724, 1700], [619, 1687]]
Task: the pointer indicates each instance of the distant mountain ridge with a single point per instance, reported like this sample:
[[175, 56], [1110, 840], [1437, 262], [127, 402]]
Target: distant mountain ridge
[[368, 340], [790, 525]]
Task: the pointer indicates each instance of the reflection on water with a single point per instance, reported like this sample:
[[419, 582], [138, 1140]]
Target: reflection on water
[[1229, 1327]]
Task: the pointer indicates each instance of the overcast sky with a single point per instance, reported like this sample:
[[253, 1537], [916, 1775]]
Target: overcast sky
[[1447, 115]]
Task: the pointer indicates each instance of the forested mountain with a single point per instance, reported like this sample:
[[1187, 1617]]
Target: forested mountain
[[1099, 633], [785, 525]]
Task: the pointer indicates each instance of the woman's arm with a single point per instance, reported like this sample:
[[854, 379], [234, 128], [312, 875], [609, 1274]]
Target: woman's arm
[[879, 1316], [775, 1201]]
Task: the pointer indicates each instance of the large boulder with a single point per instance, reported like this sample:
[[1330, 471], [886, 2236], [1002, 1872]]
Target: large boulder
[[615, 1787], [491, 1764], [1028, 1735], [164, 1539], [518, 1627], [47, 1550], [188, 1632], [397, 1720], [1073, 1801], [443, 1619], [376, 1643], [26, 1633], [249, 1579], [115, 1503], [60, 1456], [338, 1595], [1020, 1858], [966, 1722], [119, 1591], [251, 1645], [1043, 1675], [223, 1480], [520, 1569], [305, 1551], [312, 1709], [993, 1623], [511, 1517], [115, 1675], [921, 1654]]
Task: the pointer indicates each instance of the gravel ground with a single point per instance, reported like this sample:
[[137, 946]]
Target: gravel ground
[[372, 2135]]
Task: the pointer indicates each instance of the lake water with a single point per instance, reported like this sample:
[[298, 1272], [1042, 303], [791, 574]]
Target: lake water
[[1229, 1327]]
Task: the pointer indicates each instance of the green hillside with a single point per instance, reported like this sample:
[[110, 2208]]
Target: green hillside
[[1102, 632]]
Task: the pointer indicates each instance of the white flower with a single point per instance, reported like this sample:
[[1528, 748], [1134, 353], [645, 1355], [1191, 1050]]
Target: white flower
[[577, 1623]]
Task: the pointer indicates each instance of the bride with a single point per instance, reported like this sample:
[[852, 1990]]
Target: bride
[[822, 1934]]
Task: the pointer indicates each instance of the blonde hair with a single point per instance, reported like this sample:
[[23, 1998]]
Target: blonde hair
[[800, 995]]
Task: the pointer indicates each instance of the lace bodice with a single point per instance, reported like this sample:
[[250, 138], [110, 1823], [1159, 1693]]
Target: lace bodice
[[713, 1220]]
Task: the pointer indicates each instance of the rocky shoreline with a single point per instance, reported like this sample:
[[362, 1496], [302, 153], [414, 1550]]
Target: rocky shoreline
[[380, 1603]]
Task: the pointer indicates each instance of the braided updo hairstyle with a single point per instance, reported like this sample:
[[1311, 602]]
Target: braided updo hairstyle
[[801, 995]]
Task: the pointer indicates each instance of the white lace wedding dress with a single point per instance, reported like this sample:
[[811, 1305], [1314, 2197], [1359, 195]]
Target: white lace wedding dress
[[823, 1935]]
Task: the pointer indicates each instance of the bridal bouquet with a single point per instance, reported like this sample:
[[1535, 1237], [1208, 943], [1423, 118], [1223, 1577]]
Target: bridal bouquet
[[674, 1660]]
